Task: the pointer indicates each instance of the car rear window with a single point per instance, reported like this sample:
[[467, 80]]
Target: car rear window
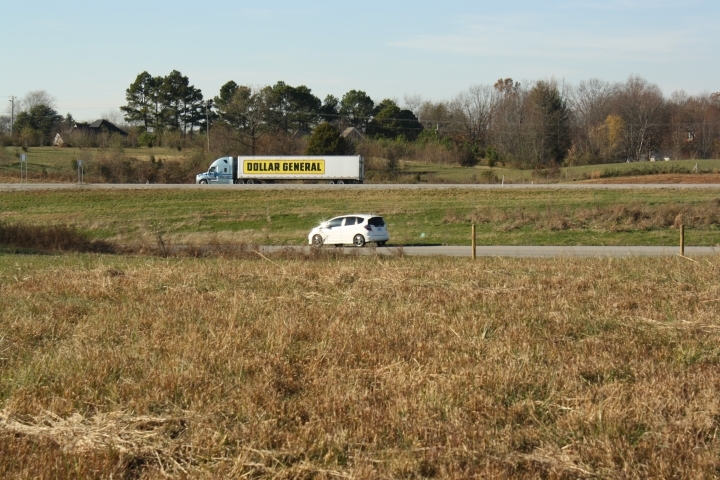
[[350, 221], [376, 222]]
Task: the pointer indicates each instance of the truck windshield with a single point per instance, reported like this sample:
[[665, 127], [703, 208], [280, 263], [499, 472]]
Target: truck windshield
[[212, 169]]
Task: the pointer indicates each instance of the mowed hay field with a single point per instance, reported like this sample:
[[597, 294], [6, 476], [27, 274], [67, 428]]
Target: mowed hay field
[[327, 366]]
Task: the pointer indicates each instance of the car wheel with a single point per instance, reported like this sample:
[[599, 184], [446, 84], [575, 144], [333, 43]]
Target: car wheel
[[317, 240], [203, 182], [359, 240]]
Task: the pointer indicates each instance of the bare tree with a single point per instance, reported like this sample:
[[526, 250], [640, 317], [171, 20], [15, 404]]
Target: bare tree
[[642, 107], [473, 110], [413, 103], [113, 116], [36, 97], [701, 133], [510, 132], [591, 104], [435, 117], [694, 125], [680, 124]]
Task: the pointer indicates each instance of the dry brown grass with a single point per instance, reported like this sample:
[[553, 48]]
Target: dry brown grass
[[614, 218], [668, 178], [334, 367], [50, 237]]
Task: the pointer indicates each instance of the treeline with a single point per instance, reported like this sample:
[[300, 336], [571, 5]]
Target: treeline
[[538, 124], [544, 123], [532, 125]]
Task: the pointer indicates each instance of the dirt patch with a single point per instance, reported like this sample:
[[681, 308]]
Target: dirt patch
[[668, 178]]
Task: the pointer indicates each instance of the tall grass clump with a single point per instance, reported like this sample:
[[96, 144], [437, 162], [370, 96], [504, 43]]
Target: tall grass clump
[[50, 237], [359, 367]]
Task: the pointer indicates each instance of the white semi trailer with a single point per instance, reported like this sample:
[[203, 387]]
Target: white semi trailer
[[327, 169]]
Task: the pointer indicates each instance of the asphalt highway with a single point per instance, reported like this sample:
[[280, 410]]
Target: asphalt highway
[[367, 186]]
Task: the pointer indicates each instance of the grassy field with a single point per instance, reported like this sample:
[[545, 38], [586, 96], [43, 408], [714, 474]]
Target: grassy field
[[415, 172], [130, 165], [358, 367], [503, 217], [61, 158]]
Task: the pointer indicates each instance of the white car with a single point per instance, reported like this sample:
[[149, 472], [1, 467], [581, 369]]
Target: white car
[[356, 229]]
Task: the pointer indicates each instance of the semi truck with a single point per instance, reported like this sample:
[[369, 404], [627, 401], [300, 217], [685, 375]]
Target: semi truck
[[327, 169]]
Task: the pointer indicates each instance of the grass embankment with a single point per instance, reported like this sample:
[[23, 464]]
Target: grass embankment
[[357, 367], [503, 217], [53, 164], [104, 166]]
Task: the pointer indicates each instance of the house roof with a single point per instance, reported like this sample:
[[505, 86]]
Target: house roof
[[100, 125], [352, 133]]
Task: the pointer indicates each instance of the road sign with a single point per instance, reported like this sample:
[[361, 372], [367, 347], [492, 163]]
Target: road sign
[[23, 161], [81, 172]]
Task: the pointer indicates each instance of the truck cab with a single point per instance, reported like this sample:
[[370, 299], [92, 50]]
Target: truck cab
[[221, 170]]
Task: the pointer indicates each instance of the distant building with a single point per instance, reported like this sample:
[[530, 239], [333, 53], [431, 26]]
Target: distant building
[[93, 128], [352, 134], [100, 126]]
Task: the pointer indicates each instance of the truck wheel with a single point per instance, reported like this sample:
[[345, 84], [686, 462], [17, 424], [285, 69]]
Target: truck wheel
[[238, 181], [331, 182], [317, 240], [203, 182], [341, 182], [359, 240], [251, 182]]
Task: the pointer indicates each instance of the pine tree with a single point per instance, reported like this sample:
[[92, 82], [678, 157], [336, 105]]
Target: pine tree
[[326, 140], [141, 97]]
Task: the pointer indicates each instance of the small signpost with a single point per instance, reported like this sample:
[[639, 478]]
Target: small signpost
[[81, 171], [23, 161]]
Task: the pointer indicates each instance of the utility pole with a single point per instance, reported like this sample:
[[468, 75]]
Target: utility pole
[[12, 113], [207, 124]]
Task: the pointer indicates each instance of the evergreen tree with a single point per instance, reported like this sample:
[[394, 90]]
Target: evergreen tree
[[227, 113], [292, 108], [357, 108], [245, 111], [173, 92], [326, 140], [329, 111], [141, 97], [41, 120], [389, 121], [164, 103], [551, 122]]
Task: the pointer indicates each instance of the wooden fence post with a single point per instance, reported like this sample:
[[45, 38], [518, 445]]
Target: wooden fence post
[[682, 240], [473, 241]]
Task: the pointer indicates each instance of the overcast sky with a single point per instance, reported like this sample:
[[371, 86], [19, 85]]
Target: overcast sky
[[86, 53]]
